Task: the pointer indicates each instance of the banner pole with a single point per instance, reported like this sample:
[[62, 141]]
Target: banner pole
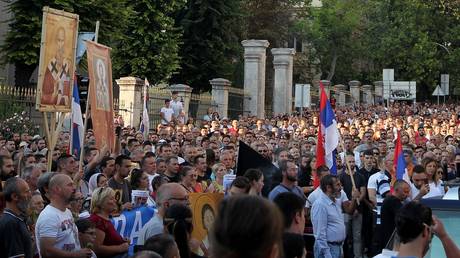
[[350, 172], [85, 125]]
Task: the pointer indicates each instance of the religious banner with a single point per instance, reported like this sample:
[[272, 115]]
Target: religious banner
[[57, 61], [100, 94], [204, 207], [129, 223]]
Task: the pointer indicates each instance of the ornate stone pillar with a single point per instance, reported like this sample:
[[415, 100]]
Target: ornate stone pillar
[[130, 100], [254, 76], [184, 93], [327, 88], [369, 97], [219, 92], [340, 94], [282, 93], [354, 91]]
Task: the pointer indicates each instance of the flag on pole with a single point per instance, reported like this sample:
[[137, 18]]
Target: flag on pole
[[81, 46], [328, 136], [76, 133], [399, 162], [144, 128]]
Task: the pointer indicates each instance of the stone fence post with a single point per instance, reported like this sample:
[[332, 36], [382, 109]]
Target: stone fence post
[[219, 92], [254, 76], [282, 93], [354, 90], [130, 100]]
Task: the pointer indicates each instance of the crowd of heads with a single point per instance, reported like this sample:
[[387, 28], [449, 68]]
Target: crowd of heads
[[181, 157]]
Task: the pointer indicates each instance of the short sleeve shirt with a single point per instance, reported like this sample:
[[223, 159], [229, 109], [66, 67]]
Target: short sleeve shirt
[[15, 238], [122, 191], [168, 112], [59, 225]]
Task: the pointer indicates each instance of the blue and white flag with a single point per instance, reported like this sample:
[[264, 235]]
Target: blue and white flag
[[145, 123], [81, 46]]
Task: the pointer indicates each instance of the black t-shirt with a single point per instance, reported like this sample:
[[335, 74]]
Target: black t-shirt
[[15, 238], [122, 191], [304, 177], [173, 179], [390, 207], [367, 174], [345, 180]]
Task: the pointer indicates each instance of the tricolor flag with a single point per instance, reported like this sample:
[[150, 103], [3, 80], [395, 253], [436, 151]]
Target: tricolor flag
[[328, 136], [144, 128], [399, 162], [76, 134]]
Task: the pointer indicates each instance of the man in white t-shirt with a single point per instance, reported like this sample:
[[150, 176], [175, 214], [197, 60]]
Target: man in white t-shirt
[[55, 231], [166, 113], [177, 107]]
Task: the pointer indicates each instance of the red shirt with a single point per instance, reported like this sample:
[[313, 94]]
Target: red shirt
[[111, 235]]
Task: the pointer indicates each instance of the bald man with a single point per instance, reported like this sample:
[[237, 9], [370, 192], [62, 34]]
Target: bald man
[[55, 231], [168, 194]]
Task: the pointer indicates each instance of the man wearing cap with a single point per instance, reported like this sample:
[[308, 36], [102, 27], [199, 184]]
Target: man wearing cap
[[166, 113]]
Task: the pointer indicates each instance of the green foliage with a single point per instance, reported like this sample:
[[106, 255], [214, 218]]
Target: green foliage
[[22, 43], [210, 43], [331, 30], [151, 46], [417, 38]]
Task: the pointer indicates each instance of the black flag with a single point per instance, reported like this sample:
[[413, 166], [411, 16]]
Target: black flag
[[249, 158]]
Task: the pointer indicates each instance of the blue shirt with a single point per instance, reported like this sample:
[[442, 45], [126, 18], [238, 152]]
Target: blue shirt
[[328, 223], [282, 189]]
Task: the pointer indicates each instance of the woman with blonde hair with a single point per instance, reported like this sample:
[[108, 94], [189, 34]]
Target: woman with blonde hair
[[217, 185], [108, 242]]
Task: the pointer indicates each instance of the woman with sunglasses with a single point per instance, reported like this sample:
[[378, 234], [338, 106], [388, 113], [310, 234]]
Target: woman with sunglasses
[[188, 180], [434, 178], [108, 242]]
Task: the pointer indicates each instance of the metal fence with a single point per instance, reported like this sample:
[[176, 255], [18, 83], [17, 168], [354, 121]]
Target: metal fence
[[16, 100], [235, 102], [157, 95], [199, 104]]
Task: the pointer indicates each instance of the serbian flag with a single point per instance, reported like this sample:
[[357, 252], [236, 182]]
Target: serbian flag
[[144, 128], [328, 136], [76, 134], [399, 162]]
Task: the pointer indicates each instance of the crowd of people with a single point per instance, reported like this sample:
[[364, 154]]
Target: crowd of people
[[360, 211]]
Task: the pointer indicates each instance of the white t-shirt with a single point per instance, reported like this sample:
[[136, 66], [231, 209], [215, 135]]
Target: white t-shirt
[[57, 224], [177, 107], [386, 254], [168, 112], [435, 190], [381, 184]]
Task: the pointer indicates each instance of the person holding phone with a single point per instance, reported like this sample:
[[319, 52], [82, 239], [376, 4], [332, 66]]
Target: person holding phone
[[419, 185]]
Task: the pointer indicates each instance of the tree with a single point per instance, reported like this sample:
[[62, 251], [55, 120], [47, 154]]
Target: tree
[[22, 42], [356, 39], [151, 46], [210, 43], [332, 31]]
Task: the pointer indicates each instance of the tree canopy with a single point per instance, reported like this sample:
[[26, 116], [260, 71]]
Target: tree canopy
[[356, 39]]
